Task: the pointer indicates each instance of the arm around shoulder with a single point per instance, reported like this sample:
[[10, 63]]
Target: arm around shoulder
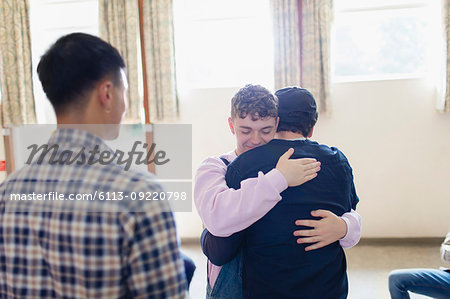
[[221, 250], [224, 210]]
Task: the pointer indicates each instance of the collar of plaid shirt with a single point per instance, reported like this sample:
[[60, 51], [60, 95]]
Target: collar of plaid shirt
[[68, 137]]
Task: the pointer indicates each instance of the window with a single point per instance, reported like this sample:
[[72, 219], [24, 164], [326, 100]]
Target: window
[[382, 39], [223, 43], [49, 20]]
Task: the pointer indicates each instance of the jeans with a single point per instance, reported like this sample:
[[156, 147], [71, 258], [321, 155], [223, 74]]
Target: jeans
[[428, 282], [228, 284]]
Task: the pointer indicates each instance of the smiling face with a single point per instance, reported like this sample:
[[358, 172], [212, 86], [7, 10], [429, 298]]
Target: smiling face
[[252, 133], [254, 117]]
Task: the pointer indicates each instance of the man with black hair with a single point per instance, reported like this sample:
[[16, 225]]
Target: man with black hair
[[83, 251], [275, 263]]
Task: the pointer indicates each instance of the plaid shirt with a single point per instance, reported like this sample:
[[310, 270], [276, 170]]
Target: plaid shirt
[[80, 254]]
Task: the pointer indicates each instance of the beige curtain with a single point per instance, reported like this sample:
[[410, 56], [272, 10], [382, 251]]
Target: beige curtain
[[316, 19], [160, 59], [286, 43], [118, 21], [446, 11], [302, 30], [17, 102]]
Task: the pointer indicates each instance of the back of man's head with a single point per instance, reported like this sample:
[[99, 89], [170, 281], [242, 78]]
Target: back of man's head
[[297, 110], [73, 65], [254, 100]]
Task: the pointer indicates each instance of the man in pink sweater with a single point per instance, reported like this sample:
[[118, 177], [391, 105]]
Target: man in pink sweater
[[225, 211]]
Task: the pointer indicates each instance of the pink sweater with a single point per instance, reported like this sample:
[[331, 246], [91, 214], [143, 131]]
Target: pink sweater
[[225, 211]]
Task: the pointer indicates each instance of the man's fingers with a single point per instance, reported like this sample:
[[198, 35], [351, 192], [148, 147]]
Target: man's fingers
[[309, 165], [316, 246], [305, 166], [309, 177], [305, 232], [306, 161], [310, 223], [311, 170], [287, 154], [314, 239], [320, 213]]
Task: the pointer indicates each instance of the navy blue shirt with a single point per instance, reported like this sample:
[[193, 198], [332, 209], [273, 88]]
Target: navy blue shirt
[[274, 264]]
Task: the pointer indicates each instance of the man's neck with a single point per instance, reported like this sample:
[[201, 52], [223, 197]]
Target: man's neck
[[100, 130], [285, 135], [90, 120]]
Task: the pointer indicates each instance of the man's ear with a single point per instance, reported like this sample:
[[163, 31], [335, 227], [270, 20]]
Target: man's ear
[[104, 92], [231, 125], [310, 132], [277, 121]]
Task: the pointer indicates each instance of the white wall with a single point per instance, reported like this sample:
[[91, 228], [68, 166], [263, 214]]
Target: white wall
[[207, 110], [396, 142]]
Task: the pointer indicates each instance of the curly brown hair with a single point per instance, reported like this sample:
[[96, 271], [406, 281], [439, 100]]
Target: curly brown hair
[[254, 100]]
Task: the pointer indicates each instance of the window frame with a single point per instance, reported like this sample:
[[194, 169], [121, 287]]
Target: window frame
[[368, 6], [193, 18]]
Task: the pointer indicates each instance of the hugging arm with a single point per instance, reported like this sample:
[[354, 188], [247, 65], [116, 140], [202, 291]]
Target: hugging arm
[[221, 250], [331, 228], [226, 210]]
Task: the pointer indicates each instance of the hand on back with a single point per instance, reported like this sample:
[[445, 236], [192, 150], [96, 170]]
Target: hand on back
[[297, 171], [330, 228]]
